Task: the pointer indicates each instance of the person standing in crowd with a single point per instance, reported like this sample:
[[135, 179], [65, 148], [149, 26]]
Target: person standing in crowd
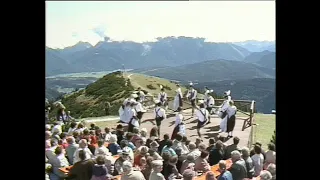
[[231, 115], [258, 160], [192, 97], [232, 147], [160, 115], [202, 116], [82, 170], [60, 112], [249, 163], [156, 174], [107, 107], [162, 97], [177, 102]]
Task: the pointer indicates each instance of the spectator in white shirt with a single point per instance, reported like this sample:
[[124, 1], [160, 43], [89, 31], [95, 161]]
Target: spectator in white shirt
[[56, 128], [73, 127], [108, 134], [50, 151], [258, 160], [83, 145], [101, 147], [71, 149]]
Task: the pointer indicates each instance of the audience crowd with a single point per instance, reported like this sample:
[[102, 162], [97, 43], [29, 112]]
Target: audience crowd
[[90, 153]]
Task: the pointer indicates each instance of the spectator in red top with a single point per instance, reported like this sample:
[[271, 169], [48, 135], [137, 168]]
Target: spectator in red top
[[93, 137], [142, 153]]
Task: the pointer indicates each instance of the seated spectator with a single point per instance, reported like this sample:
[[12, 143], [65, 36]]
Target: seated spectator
[[157, 167], [249, 163], [201, 163], [82, 169], [238, 167], [102, 147], [189, 162], [193, 150], [232, 147], [225, 174], [71, 149], [113, 145], [257, 160], [210, 176], [99, 171], [129, 173], [265, 175], [83, 145], [118, 165], [272, 169], [189, 175], [216, 154], [168, 148], [270, 155], [211, 144]]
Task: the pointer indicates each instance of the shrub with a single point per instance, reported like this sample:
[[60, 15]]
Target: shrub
[[273, 138], [150, 86]]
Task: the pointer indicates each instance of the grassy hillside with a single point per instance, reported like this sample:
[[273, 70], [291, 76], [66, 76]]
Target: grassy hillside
[[265, 129], [90, 101]]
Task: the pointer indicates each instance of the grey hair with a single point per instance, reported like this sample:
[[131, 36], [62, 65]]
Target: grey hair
[[222, 164], [83, 143], [127, 166], [236, 154], [245, 151], [265, 175], [272, 169]]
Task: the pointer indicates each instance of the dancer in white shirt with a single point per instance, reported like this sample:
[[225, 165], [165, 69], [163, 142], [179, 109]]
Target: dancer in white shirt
[[160, 115], [223, 111], [178, 123], [162, 97], [202, 116]]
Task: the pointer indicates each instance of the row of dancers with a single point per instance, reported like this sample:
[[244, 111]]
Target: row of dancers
[[132, 110]]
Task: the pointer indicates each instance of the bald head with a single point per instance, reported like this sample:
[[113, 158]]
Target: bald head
[[83, 143]]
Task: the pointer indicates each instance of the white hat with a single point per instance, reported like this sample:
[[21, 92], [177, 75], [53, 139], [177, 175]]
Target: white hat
[[191, 84], [201, 101], [156, 101], [227, 93], [134, 95]]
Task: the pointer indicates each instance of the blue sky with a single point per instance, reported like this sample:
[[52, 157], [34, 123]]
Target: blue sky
[[218, 21]]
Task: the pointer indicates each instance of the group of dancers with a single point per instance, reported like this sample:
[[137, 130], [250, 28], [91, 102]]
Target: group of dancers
[[132, 110]]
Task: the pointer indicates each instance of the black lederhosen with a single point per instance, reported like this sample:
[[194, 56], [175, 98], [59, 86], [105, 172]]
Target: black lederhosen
[[158, 118], [139, 115], [201, 124]]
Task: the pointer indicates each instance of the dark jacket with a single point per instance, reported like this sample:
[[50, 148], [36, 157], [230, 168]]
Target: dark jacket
[[238, 170], [215, 156]]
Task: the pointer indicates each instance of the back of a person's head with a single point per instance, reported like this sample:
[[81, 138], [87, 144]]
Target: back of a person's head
[[204, 154], [178, 137], [136, 130], [100, 142], [192, 146], [212, 141], [235, 155], [127, 166], [184, 139], [173, 159], [166, 156], [80, 125], [58, 150], [83, 143], [257, 149], [219, 145], [265, 175], [75, 134], [82, 155], [73, 125], [169, 143], [63, 135], [92, 125], [53, 142], [272, 168], [100, 160], [188, 174], [221, 138], [202, 147], [71, 140], [129, 135], [272, 147], [166, 136], [178, 151], [124, 143], [236, 140], [245, 152], [86, 132], [190, 158], [210, 176], [222, 165]]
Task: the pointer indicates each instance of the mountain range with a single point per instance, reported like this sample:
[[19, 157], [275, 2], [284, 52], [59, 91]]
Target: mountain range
[[168, 51]]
